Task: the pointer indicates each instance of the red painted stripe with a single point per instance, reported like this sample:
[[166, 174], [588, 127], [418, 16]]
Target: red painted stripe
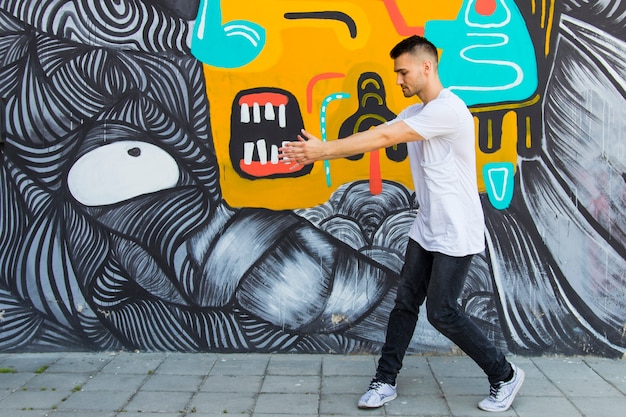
[[376, 180], [258, 170], [398, 20], [275, 98], [311, 84]]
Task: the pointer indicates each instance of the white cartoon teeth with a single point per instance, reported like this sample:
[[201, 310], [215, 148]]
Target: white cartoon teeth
[[282, 118], [270, 114], [254, 115], [274, 155], [261, 148], [245, 113]]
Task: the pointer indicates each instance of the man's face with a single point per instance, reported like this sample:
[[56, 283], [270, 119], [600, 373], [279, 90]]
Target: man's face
[[410, 74]]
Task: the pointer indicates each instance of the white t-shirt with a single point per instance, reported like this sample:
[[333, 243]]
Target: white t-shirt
[[450, 217]]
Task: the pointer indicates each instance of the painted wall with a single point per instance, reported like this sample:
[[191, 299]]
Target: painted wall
[[142, 206]]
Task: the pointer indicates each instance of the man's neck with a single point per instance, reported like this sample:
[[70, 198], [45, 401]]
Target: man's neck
[[431, 93]]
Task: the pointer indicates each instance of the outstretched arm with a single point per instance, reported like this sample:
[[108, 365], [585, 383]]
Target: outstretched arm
[[309, 148]]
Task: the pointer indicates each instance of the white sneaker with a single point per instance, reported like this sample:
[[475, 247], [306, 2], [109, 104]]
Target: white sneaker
[[378, 394], [502, 394]]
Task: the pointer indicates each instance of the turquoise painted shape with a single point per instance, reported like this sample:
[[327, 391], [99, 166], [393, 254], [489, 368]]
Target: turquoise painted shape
[[499, 180], [229, 45], [487, 56]]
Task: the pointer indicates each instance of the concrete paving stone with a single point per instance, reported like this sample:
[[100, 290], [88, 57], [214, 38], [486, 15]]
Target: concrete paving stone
[[587, 386], [133, 363], [467, 406], [416, 366], [10, 382], [173, 414], [454, 366], [263, 385], [531, 370], [294, 364], [187, 364], [519, 360], [563, 368], [537, 385], [54, 381], [345, 385], [600, 407], [455, 386], [194, 415], [29, 362], [79, 362], [4, 393], [287, 403], [241, 364], [545, 406], [40, 400], [528, 365], [357, 413], [114, 382], [349, 365], [307, 384], [220, 383], [612, 370], [286, 415], [167, 382], [26, 413], [95, 401], [81, 413], [417, 405], [345, 404], [417, 386], [235, 403], [157, 402]]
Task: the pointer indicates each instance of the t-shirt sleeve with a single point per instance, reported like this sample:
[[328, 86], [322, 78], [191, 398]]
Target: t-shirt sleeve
[[434, 119], [402, 115]]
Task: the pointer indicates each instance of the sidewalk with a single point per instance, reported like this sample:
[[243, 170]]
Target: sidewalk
[[128, 384]]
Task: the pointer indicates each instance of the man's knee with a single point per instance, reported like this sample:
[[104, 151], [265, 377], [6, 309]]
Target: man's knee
[[406, 306], [441, 316]]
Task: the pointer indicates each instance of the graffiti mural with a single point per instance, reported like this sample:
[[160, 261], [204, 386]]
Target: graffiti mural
[[143, 205]]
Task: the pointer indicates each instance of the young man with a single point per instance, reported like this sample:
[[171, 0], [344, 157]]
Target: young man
[[448, 229]]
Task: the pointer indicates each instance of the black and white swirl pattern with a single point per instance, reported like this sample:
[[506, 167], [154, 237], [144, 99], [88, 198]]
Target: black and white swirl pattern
[[119, 24]]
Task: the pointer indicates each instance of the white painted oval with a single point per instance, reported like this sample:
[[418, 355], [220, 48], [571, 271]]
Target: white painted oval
[[110, 174]]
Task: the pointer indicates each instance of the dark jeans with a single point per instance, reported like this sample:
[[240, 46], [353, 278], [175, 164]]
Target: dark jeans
[[439, 279]]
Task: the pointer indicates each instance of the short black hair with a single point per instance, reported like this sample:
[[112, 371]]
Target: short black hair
[[414, 44]]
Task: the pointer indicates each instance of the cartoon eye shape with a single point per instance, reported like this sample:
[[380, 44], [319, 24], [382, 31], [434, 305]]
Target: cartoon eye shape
[[120, 171]]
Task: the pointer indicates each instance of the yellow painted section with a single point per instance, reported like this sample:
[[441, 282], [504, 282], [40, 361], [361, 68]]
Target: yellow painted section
[[295, 52], [507, 151]]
